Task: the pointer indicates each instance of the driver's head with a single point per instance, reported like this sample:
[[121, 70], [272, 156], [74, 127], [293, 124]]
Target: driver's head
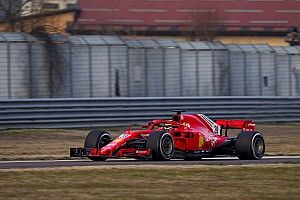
[[176, 118]]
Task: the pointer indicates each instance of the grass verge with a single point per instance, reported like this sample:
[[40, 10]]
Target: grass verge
[[281, 139], [193, 182]]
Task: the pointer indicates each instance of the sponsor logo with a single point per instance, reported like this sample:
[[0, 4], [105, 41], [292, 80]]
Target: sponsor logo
[[201, 141], [141, 151]]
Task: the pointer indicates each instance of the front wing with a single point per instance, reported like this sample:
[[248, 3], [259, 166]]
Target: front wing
[[126, 152]]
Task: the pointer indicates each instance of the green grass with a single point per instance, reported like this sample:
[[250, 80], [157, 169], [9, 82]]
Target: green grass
[[281, 139], [144, 182]]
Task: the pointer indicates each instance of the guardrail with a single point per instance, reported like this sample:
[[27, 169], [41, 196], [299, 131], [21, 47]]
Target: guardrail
[[104, 112]]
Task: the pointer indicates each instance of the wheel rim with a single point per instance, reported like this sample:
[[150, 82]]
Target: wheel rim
[[167, 146], [258, 146], [103, 140]]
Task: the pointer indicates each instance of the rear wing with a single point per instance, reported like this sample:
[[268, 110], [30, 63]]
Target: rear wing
[[244, 125]]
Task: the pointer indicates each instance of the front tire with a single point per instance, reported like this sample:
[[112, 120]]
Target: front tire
[[97, 139], [161, 145], [250, 145]]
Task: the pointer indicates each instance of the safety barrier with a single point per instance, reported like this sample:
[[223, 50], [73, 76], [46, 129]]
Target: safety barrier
[[104, 112]]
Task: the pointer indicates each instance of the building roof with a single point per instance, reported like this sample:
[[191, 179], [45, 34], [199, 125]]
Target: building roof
[[159, 16], [45, 14]]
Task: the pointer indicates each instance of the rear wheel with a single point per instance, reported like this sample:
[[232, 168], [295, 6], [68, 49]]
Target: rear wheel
[[97, 139], [250, 145], [161, 145]]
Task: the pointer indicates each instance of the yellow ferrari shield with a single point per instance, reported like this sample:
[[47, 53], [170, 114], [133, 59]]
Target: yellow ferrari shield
[[201, 140]]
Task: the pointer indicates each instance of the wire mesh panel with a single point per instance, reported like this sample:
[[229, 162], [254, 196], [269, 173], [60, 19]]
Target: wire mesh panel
[[237, 67], [4, 82], [25, 66], [108, 66], [99, 66], [253, 70], [206, 73], [19, 68], [171, 67], [136, 65], [283, 71], [268, 70], [297, 76], [220, 69], [100, 71], [119, 71], [39, 71], [80, 67], [188, 69], [172, 73], [154, 70], [294, 70]]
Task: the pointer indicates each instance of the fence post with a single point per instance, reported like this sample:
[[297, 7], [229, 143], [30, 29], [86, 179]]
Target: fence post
[[128, 71], [290, 75], [276, 92], [109, 70], [197, 69], [146, 71], [214, 93], [259, 70], [30, 69], [8, 68], [90, 66], [244, 70], [229, 71], [91, 70], [180, 73], [290, 71], [70, 63], [163, 67]]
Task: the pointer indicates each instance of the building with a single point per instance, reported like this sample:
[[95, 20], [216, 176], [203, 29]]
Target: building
[[238, 21], [55, 15], [38, 6], [55, 21], [59, 4]]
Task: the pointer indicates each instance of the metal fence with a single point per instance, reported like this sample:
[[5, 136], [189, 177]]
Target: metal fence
[[72, 113], [110, 66]]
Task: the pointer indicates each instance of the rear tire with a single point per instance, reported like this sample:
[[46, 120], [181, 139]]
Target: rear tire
[[161, 145], [97, 139], [250, 145]]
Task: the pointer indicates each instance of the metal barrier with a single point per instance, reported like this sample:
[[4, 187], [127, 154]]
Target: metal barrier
[[94, 66], [104, 112]]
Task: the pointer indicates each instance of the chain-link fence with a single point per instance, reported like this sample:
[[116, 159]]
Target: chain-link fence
[[110, 66]]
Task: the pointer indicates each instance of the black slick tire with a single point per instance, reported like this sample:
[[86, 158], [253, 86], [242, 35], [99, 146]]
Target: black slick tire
[[250, 145], [97, 139], [161, 145]]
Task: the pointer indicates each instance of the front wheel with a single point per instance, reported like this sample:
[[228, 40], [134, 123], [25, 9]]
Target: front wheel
[[97, 139], [161, 145], [250, 145]]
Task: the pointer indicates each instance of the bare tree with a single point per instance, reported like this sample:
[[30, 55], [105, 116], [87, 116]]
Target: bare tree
[[13, 10], [16, 17], [26, 16], [206, 25]]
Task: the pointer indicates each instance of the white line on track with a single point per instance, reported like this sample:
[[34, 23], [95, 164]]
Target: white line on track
[[128, 159]]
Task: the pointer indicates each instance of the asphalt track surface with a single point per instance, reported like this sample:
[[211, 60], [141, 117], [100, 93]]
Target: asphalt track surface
[[130, 162]]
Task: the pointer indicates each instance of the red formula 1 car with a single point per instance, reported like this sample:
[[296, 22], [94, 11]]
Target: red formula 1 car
[[187, 136]]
